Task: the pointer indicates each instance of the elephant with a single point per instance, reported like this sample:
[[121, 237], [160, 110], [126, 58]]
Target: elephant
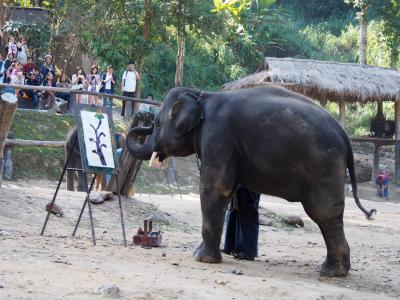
[[76, 163], [268, 139]]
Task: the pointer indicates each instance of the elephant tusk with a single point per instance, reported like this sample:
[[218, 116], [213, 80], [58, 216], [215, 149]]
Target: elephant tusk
[[153, 157]]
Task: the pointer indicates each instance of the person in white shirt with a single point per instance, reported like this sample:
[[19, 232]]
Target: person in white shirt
[[108, 83], [129, 80]]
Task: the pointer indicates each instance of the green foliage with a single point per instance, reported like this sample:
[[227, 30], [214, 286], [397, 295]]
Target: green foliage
[[38, 35]]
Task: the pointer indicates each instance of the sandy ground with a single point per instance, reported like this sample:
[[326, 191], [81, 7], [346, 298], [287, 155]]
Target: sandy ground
[[57, 266]]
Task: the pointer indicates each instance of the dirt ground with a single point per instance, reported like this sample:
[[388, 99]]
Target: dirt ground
[[57, 266]]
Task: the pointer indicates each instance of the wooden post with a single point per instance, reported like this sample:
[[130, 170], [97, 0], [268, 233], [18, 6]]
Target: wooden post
[[323, 101], [342, 111], [375, 168], [397, 146], [128, 165], [8, 105]]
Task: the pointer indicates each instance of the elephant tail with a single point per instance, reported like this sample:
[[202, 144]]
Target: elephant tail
[[350, 166]]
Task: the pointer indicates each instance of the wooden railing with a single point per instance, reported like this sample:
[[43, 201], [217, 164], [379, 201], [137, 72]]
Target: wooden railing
[[76, 92]]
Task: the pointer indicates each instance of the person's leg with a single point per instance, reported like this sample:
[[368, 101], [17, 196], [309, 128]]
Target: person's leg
[[35, 100], [123, 105], [247, 224], [230, 231]]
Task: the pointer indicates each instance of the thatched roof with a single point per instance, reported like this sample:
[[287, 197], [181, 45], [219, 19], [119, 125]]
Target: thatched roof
[[326, 80]]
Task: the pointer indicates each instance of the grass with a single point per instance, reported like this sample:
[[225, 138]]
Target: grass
[[39, 162]]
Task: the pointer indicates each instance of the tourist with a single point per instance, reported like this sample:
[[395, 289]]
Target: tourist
[[22, 51], [29, 66], [382, 184], [48, 97], [64, 82], [108, 82], [39, 76], [148, 108], [12, 46], [78, 83], [33, 94], [1, 68], [129, 80], [17, 77], [242, 224], [6, 66], [93, 80], [48, 66]]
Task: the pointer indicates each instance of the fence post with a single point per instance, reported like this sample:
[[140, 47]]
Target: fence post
[[8, 105]]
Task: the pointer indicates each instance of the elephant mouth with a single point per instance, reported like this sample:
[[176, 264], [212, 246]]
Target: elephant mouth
[[158, 157]]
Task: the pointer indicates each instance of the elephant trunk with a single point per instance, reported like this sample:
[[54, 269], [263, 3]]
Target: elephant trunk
[[135, 136]]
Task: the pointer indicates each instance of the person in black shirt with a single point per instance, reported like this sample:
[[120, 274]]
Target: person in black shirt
[[33, 94]]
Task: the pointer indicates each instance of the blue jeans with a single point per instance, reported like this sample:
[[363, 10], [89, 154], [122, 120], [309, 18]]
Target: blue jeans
[[108, 101], [34, 96]]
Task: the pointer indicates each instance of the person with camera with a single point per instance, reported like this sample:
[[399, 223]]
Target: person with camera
[[78, 83], [108, 82], [129, 79], [33, 94], [94, 82], [48, 66]]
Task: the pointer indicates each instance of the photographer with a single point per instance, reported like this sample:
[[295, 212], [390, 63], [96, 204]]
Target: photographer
[[94, 84], [78, 83]]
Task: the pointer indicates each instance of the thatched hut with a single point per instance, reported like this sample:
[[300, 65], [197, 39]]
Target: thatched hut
[[334, 81]]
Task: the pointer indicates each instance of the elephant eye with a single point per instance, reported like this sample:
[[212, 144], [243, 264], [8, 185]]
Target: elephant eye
[[157, 123]]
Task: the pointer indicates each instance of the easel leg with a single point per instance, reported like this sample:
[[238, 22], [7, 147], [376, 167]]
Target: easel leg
[[87, 201], [58, 186], [120, 210]]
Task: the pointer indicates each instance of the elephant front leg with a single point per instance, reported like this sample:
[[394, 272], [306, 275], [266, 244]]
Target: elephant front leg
[[214, 197]]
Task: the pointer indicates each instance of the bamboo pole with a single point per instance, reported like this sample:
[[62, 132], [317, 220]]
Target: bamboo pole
[[397, 146], [8, 105], [342, 111], [31, 143]]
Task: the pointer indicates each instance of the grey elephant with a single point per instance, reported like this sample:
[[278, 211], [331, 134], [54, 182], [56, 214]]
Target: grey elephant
[[75, 160], [268, 139]]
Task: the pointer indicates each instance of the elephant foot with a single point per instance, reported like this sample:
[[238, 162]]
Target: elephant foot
[[334, 268], [207, 255]]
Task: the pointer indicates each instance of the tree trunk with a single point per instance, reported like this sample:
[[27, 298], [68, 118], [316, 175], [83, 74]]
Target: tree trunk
[[397, 146], [8, 105], [147, 20], [128, 166], [180, 57], [363, 35]]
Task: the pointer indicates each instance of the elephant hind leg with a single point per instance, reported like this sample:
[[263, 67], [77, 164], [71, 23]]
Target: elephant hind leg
[[328, 214]]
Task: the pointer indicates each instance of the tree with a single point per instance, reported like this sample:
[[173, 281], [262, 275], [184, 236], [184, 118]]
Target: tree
[[362, 15]]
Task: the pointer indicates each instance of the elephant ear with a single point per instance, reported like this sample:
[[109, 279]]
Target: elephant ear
[[186, 114]]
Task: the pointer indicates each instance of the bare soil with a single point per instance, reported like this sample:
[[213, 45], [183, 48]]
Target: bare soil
[[58, 266]]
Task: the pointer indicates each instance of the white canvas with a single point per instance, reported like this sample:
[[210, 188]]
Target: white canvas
[[102, 141]]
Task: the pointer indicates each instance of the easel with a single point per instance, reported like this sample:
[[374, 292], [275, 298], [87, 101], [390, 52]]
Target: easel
[[87, 199]]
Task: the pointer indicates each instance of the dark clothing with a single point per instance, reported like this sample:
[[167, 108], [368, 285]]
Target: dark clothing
[[45, 69], [31, 93], [131, 95], [7, 65], [28, 68], [103, 77], [242, 224]]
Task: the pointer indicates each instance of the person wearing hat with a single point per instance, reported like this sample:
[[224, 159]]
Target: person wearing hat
[[48, 66], [129, 79]]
